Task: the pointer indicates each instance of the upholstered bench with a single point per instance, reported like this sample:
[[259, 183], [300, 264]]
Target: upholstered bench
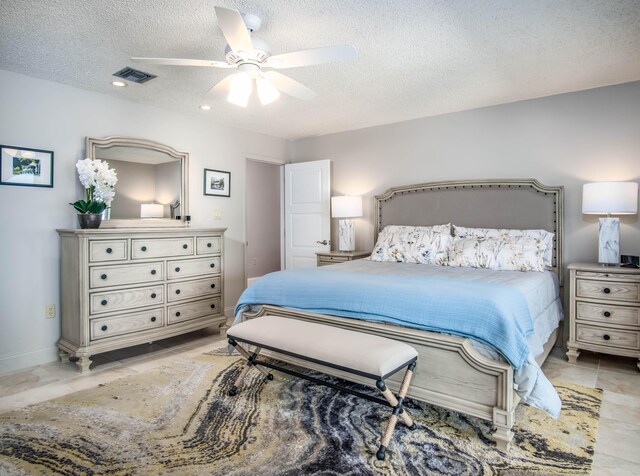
[[352, 352]]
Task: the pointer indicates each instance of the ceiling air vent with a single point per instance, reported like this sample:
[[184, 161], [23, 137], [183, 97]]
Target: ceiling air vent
[[134, 75]]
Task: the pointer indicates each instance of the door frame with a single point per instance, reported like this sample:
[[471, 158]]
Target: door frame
[[270, 160]]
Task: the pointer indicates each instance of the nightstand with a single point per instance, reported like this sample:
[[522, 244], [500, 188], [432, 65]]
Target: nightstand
[[333, 257], [604, 314]]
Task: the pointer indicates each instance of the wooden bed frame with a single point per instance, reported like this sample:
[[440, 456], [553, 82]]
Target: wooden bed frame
[[450, 372]]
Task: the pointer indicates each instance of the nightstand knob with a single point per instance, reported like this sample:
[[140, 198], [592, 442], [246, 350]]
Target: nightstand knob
[[606, 337], [607, 314], [606, 290]]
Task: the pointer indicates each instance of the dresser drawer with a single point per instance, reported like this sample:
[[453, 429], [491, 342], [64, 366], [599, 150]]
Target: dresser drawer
[[190, 289], [102, 276], [192, 310], [107, 250], [127, 324], [125, 299], [608, 290], [193, 267], [207, 245], [161, 247], [608, 314], [608, 337]]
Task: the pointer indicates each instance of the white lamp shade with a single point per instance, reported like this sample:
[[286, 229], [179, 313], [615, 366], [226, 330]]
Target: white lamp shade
[[347, 206], [151, 210], [615, 198]]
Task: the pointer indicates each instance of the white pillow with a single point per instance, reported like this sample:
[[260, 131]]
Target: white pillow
[[544, 237], [414, 244], [514, 254]]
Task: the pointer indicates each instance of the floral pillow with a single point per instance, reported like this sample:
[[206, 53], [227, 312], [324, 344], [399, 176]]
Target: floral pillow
[[514, 254], [543, 237], [414, 244]]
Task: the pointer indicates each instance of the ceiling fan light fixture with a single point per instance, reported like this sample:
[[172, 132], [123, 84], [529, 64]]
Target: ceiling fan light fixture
[[240, 90], [267, 92]]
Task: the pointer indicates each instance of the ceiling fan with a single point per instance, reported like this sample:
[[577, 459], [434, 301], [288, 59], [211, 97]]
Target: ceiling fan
[[251, 57]]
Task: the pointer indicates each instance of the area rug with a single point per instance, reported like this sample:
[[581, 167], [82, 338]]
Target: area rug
[[178, 419]]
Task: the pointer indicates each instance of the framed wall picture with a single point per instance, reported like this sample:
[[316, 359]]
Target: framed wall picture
[[217, 183], [26, 167]]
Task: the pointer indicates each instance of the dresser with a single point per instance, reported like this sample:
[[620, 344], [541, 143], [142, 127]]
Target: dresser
[[604, 310], [325, 258], [123, 287]]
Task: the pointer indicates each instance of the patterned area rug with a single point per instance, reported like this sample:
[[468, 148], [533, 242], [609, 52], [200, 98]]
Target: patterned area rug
[[178, 419]]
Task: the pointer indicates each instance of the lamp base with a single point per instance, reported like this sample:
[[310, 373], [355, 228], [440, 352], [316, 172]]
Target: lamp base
[[347, 235], [609, 241]]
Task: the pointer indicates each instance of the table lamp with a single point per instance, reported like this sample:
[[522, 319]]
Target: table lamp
[[346, 207], [609, 198], [151, 210]]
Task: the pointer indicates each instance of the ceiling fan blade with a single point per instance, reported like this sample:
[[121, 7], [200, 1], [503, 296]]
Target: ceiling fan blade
[[290, 86], [234, 29], [329, 54], [220, 86], [182, 62]]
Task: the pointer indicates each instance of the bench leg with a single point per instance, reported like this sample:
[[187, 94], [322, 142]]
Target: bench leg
[[250, 363], [398, 411]]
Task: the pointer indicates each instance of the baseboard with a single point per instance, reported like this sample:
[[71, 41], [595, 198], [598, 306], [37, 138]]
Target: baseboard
[[10, 363]]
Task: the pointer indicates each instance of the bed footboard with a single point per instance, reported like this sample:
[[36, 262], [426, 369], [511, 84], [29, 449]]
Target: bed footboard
[[451, 373]]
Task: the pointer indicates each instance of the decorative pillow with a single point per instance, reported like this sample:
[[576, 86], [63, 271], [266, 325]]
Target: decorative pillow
[[545, 238], [515, 254], [414, 244]]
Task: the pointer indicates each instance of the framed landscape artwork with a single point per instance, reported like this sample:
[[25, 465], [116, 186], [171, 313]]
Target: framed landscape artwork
[[217, 183], [26, 167]]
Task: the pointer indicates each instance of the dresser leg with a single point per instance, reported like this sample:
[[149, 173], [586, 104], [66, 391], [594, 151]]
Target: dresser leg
[[572, 353], [83, 364], [63, 356]]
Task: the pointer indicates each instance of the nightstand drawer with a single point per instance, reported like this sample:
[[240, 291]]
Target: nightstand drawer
[[332, 259], [608, 290], [608, 337], [604, 314]]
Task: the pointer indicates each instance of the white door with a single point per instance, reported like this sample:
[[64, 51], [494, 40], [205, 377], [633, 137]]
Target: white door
[[306, 212]]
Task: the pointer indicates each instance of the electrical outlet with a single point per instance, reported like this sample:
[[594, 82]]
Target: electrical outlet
[[50, 311], [254, 261], [217, 213]]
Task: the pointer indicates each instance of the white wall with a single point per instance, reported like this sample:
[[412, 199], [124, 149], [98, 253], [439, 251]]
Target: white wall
[[46, 115], [565, 140]]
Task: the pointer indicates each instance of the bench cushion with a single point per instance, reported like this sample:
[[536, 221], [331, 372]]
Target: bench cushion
[[366, 354]]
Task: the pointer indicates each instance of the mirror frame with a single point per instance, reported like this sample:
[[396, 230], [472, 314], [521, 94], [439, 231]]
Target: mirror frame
[[119, 141]]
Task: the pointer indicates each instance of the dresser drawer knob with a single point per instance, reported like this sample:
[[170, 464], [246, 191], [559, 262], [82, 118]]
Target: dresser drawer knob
[[606, 337], [212, 265], [109, 250], [209, 245], [606, 290], [213, 286], [607, 314], [177, 270], [177, 291], [213, 306], [178, 314], [103, 302], [185, 246], [153, 271], [144, 248], [153, 319], [153, 295], [103, 276], [104, 328]]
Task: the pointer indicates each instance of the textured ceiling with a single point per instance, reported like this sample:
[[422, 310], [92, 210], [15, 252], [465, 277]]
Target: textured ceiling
[[416, 58]]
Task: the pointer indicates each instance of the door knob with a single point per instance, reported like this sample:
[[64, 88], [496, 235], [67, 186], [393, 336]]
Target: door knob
[[323, 242]]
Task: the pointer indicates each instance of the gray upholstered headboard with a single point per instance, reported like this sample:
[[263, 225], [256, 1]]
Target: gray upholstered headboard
[[499, 203]]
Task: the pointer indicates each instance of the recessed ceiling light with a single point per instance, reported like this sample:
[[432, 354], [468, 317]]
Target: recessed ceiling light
[[205, 107], [119, 84]]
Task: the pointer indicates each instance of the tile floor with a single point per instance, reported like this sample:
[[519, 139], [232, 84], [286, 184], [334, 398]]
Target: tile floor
[[617, 449]]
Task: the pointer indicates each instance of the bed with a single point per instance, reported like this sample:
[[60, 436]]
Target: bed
[[455, 372]]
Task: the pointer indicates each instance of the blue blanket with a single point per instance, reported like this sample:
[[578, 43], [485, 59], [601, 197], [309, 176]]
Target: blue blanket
[[495, 314]]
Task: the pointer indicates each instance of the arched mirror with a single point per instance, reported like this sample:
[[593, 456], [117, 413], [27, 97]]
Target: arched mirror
[[152, 188]]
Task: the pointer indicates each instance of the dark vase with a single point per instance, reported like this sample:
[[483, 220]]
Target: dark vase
[[89, 220]]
